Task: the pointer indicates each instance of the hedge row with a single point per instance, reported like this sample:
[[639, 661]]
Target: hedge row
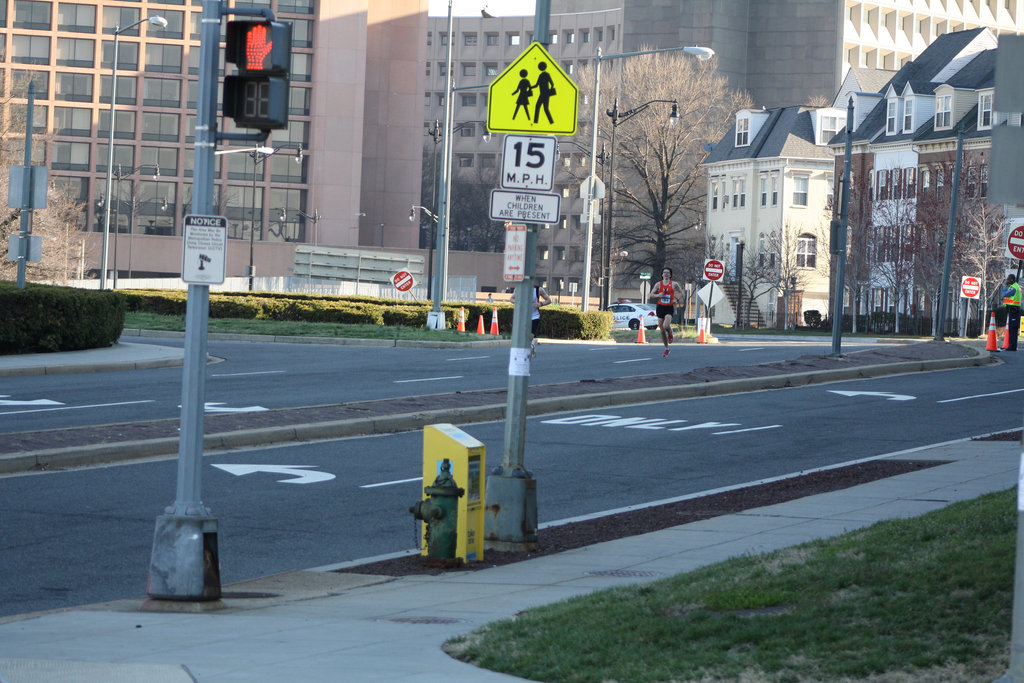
[[42, 318], [561, 323]]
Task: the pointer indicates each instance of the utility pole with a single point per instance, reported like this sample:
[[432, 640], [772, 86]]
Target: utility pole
[[839, 240]]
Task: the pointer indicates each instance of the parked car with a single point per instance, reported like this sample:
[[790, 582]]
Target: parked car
[[632, 315]]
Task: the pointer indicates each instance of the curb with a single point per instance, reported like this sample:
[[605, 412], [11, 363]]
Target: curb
[[132, 450]]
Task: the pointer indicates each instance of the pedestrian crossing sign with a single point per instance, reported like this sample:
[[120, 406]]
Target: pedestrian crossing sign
[[532, 95]]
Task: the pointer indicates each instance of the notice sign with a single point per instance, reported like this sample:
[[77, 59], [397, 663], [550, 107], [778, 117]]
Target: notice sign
[[204, 250], [525, 207], [515, 252]]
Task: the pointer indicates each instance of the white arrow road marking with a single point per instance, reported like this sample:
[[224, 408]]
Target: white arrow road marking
[[34, 402], [221, 408], [300, 472], [748, 429], [882, 394], [705, 425]]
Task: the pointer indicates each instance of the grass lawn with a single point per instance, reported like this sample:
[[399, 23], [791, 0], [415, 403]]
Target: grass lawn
[[924, 599]]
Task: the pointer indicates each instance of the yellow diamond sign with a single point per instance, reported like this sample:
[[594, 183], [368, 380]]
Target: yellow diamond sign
[[532, 95]]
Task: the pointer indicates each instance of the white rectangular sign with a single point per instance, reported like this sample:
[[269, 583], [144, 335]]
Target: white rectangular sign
[[515, 252], [525, 207], [204, 250], [528, 162]]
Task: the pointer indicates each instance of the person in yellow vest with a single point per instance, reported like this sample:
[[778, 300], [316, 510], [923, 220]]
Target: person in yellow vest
[[1011, 300]]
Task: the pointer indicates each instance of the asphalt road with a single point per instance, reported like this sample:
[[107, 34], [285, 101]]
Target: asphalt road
[[254, 376], [75, 537]]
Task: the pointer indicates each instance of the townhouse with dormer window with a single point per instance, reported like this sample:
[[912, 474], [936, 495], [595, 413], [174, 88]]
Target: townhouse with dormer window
[[904, 148], [770, 183]]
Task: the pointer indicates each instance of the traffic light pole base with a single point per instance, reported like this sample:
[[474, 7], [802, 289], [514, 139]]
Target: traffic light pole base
[[185, 564], [510, 522], [435, 320]]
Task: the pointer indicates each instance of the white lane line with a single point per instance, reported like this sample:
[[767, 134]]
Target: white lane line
[[749, 429], [94, 405], [427, 379], [390, 483], [756, 348], [632, 360], [967, 398], [245, 374], [455, 360]]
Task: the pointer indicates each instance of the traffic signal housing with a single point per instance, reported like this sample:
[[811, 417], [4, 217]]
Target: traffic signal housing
[[257, 96]]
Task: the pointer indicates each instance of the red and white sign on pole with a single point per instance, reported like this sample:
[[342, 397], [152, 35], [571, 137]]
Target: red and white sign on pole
[[403, 281], [515, 252], [714, 270], [970, 287], [1015, 241]]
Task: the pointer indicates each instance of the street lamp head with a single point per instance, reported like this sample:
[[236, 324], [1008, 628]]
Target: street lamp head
[[412, 214], [673, 118], [298, 155], [158, 21], [486, 137], [265, 151], [702, 54]]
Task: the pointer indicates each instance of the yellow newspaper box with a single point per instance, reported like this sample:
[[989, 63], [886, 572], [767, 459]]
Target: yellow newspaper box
[[468, 458]]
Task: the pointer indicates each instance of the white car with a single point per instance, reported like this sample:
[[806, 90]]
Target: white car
[[632, 315]]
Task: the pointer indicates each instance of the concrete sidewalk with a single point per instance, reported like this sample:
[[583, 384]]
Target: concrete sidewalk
[[327, 625]]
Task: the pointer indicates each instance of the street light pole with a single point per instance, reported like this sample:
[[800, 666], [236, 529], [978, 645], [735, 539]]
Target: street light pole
[[256, 159], [702, 54], [155, 20], [435, 318], [618, 117]]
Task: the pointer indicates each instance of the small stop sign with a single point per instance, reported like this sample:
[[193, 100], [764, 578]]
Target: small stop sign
[[403, 280], [1015, 243], [970, 287], [714, 270]]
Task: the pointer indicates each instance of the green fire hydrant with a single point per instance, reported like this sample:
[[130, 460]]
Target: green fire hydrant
[[441, 513]]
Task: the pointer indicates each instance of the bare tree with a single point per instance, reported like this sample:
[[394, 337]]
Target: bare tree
[[660, 186]]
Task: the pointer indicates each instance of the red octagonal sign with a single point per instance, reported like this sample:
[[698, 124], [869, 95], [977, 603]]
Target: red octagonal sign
[[1015, 242], [714, 270], [403, 280], [970, 287]]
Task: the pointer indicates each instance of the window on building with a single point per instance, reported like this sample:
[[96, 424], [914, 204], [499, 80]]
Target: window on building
[[161, 92], [468, 100], [20, 79], [72, 121], [30, 50], [469, 68], [302, 67], [160, 127], [490, 69], [775, 189], [127, 86], [162, 58], [76, 18], [910, 182], [908, 115], [553, 38], [926, 180], [800, 184], [32, 15], [302, 32], [806, 251], [559, 253], [829, 128], [943, 111], [742, 132], [73, 87], [70, 156], [77, 52], [739, 193], [514, 39], [159, 161], [467, 130], [985, 110], [444, 38], [880, 183], [124, 126], [491, 39], [570, 37], [127, 55], [714, 195], [764, 190], [115, 17], [465, 161], [585, 37], [890, 116], [469, 39]]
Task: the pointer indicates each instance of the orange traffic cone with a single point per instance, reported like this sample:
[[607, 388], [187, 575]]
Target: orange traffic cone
[[990, 343], [1006, 335], [700, 331], [641, 337], [480, 324], [494, 321], [462, 319]]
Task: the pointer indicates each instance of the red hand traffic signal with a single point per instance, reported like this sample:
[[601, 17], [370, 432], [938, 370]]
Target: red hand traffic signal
[[257, 96]]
